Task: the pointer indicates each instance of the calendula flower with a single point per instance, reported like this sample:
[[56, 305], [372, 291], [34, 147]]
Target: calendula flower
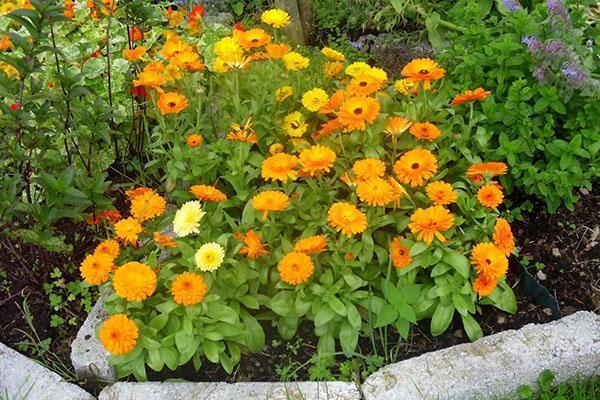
[[134, 54], [242, 133], [364, 85], [295, 62], [398, 189], [228, 49], [368, 168], [128, 230], [194, 140], [147, 206], [294, 125], [490, 196], [328, 128], [375, 191], [400, 254], [209, 257], [311, 245], [253, 38], [425, 130], [276, 18], [283, 93], [163, 240], [150, 78], [489, 260], [139, 191], [187, 218], [110, 247], [405, 86], [470, 95], [277, 51], [171, 103], [356, 111], [346, 218], [275, 148], [173, 72], [270, 200], [396, 126], [209, 193], [427, 223], [134, 281], [118, 334], [295, 268], [135, 34], [357, 68], [332, 69], [280, 167], [5, 43], [68, 11], [254, 247], [415, 166], [423, 70], [314, 99], [332, 55], [96, 267], [441, 193], [503, 236], [188, 289], [476, 172], [175, 17], [484, 285], [189, 60], [316, 159]]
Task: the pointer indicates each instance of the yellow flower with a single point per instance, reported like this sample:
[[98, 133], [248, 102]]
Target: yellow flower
[[187, 219], [134, 281], [332, 69], [276, 18], [405, 86], [314, 99], [294, 125], [283, 93], [228, 49], [346, 218], [317, 159], [118, 334], [172, 72], [188, 289], [357, 68], [128, 229], [295, 62], [295, 268], [332, 54], [209, 257], [275, 148], [396, 126], [375, 192]]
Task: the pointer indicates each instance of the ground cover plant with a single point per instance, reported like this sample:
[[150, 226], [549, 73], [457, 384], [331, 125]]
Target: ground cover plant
[[250, 196]]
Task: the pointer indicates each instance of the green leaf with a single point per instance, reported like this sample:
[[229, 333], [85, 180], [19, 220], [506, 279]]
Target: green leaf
[[170, 356], [211, 351], [353, 316], [159, 321], [324, 315], [417, 248], [459, 262], [282, 303], [471, 327], [403, 327], [348, 337], [442, 316], [406, 312], [337, 305], [386, 316], [254, 335], [222, 313]]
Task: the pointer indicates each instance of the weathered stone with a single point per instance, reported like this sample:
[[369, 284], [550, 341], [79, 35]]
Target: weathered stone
[[237, 391], [23, 378], [88, 356], [496, 365], [223, 18]]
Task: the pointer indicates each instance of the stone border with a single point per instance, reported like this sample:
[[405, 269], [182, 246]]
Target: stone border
[[494, 366], [22, 378]]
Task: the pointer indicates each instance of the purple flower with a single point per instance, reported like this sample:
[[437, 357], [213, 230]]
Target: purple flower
[[512, 5], [539, 73], [533, 44], [556, 48], [557, 8], [574, 73], [356, 45]]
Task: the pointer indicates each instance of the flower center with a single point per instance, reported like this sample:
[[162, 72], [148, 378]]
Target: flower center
[[363, 84], [423, 72], [415, 166], [172, 104], [358, 111], [295, 125]]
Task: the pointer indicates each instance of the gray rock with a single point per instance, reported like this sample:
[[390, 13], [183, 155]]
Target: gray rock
[[496, 365], [226, 391], [88, 356], [22, 378], [223, 18]]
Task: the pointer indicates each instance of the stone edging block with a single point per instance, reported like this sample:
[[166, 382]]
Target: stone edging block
[[22, 378]]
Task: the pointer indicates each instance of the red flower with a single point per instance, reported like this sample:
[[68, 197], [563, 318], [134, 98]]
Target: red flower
[[96, 54], [239, 27], [15, 106], [135, 34], [197, 11], [139, 91]]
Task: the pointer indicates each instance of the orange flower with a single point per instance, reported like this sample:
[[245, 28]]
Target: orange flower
[[134, 281], [423, 70], [441, 193], [242, 133], [135, 34], [174, 46], [253, 38], [118, 334], [356, 111], [68, 12], [327, 128], [134, 54], [147, 206], [415, 166], [150, 78], [280, 167], [163, 240], [503, 236], [425, 130], [254, 247], [334, 103], [5, 43], [317, 159], [364, 85], [133, 193], [470, 95], [332, 69], [484, 285], [428, 222], [277, 51], [476, 172], [270, 200], [368, 168], [375, 192], [396, 126], [111, 216], [346, 218], [311, 245], [171, 103], [128, 229], [489, 260], [490, 196], [194, 140], [400, 254], [109, 247], [95, 268], [210, 193], [188, 289], [189, 60], [398, 189], [295, 268], [109, 6]]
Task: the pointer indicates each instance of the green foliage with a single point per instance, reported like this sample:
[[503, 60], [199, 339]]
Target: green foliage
[[579, 389]]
